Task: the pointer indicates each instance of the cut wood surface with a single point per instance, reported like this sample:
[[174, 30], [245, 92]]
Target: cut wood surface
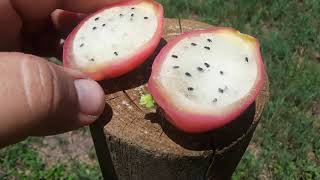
[[143, 145]]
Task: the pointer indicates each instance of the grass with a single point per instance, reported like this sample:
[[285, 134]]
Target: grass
[[23, 161], [287, 142]]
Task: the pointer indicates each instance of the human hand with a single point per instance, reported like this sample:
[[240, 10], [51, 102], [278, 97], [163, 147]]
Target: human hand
[[38, 98]]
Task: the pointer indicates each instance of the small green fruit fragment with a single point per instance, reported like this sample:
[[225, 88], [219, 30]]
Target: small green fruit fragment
[[147, 101]]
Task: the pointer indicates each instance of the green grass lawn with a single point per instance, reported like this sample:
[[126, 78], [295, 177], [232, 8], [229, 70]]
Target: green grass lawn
[[286, 144]]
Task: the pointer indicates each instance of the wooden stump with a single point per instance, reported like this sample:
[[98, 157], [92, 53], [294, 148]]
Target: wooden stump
[[133, 142]]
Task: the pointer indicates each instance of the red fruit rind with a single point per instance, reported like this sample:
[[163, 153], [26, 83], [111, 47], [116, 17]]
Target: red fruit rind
[[121, 66], [197, 122]]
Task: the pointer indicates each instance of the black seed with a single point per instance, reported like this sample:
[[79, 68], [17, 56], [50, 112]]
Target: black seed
[[209, 40], [193, 44], [188, 74], [206, 47], [174, 56], [91, 59], [81, 45], [146, 17], [221, 90], [132, 8], [221, 72], [96, 19], [247, 59], [132, 15], [175, 67], [94, 28], [214, 100], [103, 25], [207, 65], [116, 53], [121, 15], [200, 69], [190, 89]]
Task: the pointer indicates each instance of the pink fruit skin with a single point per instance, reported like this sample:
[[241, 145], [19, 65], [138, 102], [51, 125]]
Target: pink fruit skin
[[198, 123], [122, 66]]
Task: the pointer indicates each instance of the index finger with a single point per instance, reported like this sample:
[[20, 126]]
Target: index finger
[[31, 10], [33, 15], [85, 6]]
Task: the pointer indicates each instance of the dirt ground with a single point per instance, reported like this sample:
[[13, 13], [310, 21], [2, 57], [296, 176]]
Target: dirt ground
[[76, 145]]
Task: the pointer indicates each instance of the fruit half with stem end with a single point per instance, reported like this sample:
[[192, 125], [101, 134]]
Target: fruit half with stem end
[[205, 79], [115, 39]]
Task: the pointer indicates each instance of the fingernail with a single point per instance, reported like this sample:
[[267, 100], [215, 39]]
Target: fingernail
[[90, 97]]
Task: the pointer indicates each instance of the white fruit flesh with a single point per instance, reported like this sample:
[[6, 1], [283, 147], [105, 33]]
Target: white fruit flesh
[[209, 71], [114, 34]]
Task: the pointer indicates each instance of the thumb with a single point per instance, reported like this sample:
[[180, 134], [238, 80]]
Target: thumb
[[38, 98]]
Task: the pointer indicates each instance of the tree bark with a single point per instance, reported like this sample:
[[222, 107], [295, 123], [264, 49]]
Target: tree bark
[[143, 145]]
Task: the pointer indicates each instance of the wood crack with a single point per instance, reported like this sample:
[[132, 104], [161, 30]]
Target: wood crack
[[134, 104], [180, 26], [209, 171], [132, 101]]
